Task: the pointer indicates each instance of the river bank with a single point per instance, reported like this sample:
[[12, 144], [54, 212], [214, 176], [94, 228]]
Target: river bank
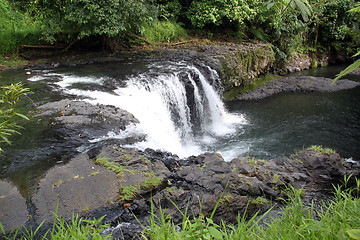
[[154, 172]]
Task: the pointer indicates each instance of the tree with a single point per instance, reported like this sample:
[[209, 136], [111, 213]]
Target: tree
[[218, 12], [69, 21]]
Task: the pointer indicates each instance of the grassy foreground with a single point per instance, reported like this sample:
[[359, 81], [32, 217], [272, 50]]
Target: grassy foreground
[[335, 219]]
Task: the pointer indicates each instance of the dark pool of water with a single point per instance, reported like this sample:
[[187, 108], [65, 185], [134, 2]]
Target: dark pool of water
[[284, 123]]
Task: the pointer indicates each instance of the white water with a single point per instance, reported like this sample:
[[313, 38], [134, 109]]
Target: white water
[[158, 99]]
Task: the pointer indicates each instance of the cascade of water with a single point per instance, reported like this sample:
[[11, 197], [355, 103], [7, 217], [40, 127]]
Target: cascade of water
[[179, 111]]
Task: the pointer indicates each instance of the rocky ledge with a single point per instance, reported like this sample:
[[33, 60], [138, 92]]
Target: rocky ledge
[[122, 182], [298, 84], [108, 179]]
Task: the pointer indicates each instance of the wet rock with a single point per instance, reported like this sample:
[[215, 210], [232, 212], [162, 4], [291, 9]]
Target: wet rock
[[195, 185], [298, 84], [13, 208], [77, 187], [77, 122], [325, 164]]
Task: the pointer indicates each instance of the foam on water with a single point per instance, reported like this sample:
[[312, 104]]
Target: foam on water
[[158, 99]]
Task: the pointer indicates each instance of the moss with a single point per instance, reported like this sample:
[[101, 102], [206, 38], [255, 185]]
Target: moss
[[58, 183], [151, 183], [241, 67], [236, 92], [128, 193], [256, 163], [276, 178], [259, 201], [170, 190], [320, 150], [112, 166], [226, 198], [93, 173]]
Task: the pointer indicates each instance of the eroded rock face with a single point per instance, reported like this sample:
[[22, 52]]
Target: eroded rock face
[[238, 64]]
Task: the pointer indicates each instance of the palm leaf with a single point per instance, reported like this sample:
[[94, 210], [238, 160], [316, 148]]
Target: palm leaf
[[304, 8], [355, 65]]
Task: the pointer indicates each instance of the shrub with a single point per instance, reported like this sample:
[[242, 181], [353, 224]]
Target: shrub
[[164, 31]]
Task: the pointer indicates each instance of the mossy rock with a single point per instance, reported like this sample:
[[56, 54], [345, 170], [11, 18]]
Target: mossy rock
[[241, 66]]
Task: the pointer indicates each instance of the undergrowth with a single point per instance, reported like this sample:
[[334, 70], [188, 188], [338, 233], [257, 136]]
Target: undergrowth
[[164, 31], [76, 228], [336, 219], [16, 28]]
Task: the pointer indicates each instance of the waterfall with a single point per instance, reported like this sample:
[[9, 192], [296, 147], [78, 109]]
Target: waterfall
[[178, 109]]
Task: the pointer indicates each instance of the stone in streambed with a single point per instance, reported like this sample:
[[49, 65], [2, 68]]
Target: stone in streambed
[[13, 208], [76, 187]]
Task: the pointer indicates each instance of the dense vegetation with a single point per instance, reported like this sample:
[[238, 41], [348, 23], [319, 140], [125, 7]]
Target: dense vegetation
[[292, 26]]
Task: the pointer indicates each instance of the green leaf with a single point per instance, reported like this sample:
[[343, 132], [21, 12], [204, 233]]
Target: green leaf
[[216, 234], [354, 233], [347, 70], [22, 116]]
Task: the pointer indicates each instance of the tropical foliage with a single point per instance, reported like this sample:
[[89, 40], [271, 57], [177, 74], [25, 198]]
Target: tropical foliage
[[16, 28], [356, 64], [292, 26], [10, 97]]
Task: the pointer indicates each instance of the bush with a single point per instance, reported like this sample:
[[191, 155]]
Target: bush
[[164, 31], [68, 21], [218, 12]]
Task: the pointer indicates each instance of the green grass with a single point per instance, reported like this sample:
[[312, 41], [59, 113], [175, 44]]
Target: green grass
[[151, 183], [76, 228], [321, 150], [128, 193], [12, 60], [16, 28], [260, 201], [164, 31], [337, 219], [118, 169]]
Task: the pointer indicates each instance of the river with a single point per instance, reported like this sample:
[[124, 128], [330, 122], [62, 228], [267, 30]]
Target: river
[[269, 128]]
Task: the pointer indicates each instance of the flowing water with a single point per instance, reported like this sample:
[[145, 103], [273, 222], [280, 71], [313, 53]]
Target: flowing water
[[180, 111]]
